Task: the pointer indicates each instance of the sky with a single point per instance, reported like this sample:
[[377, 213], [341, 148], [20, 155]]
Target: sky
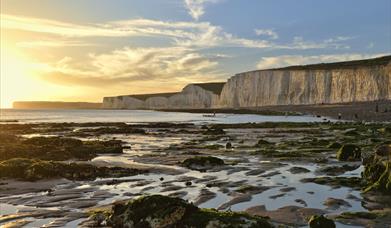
[[73, 50]]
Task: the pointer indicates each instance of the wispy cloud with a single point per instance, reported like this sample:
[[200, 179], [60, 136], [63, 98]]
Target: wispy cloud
[[266, 32], [185, 34], [290, 60], [129, 65], [196, 8]]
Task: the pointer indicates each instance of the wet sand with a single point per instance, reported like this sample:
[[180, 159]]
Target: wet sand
[[357, 111]]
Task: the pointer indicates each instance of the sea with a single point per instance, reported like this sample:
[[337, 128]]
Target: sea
[[139, 116]]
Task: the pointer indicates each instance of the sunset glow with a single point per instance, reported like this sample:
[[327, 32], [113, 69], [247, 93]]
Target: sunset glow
[[131, 47]]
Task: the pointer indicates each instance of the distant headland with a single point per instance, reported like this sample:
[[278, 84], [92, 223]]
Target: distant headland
[[55, 105]]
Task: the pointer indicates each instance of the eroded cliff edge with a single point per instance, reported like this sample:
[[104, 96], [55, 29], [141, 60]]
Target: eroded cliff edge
[[352, 81]]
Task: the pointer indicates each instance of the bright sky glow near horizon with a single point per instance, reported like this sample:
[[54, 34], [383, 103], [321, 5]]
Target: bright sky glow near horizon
[[72, 50]]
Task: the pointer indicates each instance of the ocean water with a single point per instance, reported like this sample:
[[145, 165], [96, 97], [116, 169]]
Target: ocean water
[[138, 116]]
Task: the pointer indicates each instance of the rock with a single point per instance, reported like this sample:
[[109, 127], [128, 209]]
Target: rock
[[188, 183], [262, 142], [337, 170], [334, 145], [377, 171], [336, 182], [202, 163], [349, 152], [383, 150], [163, 211], [215, 131], [34, 169], [228, 146], [319, 221], [296, 170], [335, 204], [293, 216]]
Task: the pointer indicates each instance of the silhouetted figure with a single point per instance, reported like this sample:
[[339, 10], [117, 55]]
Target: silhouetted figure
[[377, 108], [339, 116], [355, 115]]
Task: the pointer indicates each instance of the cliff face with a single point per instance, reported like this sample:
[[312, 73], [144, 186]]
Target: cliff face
[[307, 86], [363, 80], [203, 95]]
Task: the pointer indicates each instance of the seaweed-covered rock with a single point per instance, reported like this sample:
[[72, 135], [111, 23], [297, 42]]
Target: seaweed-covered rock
[[377, 172], [56, 148], [319, 221], [33, 169], [334, 145], [349, 152], [163, 211], [202, 163]]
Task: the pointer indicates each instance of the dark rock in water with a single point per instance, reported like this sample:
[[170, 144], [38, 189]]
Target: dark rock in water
[[337, 170], [214, 131], [377, 171], [349, 152], [188, 183], [335, 204], [319, 221], [336, 182], [296, 170], [202, 163], [262, 142], [228, 146], [162, 211], [161, 178], [334, 145]]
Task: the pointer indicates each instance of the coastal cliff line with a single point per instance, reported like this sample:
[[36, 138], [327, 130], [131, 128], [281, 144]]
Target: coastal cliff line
[[352, 81]]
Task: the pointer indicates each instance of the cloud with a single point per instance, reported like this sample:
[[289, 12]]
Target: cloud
[[199, 35], [52, 43], [291, 60], [267, 32], [130, 65], [196, 8]]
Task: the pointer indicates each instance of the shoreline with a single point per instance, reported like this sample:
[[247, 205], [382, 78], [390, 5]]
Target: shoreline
[[366, 111]]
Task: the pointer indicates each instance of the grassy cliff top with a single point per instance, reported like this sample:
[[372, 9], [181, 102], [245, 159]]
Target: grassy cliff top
[[384, 60]]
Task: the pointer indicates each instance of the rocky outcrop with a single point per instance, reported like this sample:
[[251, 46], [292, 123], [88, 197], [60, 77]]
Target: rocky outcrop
[[353, 81]]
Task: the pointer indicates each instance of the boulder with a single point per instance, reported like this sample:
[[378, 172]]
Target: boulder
[[377, 171], [162, 211], [319, 221], [202, 163], [349, 152]]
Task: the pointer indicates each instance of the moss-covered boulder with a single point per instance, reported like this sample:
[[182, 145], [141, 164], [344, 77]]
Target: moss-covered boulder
[[349, 152], [163, 211], [202, 163], [319, 221], [377, 171]]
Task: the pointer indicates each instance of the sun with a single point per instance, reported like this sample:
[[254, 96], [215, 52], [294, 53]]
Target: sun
[[16, 79]]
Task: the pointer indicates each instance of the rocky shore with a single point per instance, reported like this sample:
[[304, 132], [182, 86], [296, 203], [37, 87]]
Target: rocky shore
[[184, 175]]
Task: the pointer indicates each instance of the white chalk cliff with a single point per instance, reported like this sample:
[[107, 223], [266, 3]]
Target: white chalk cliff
[[364, 80]]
